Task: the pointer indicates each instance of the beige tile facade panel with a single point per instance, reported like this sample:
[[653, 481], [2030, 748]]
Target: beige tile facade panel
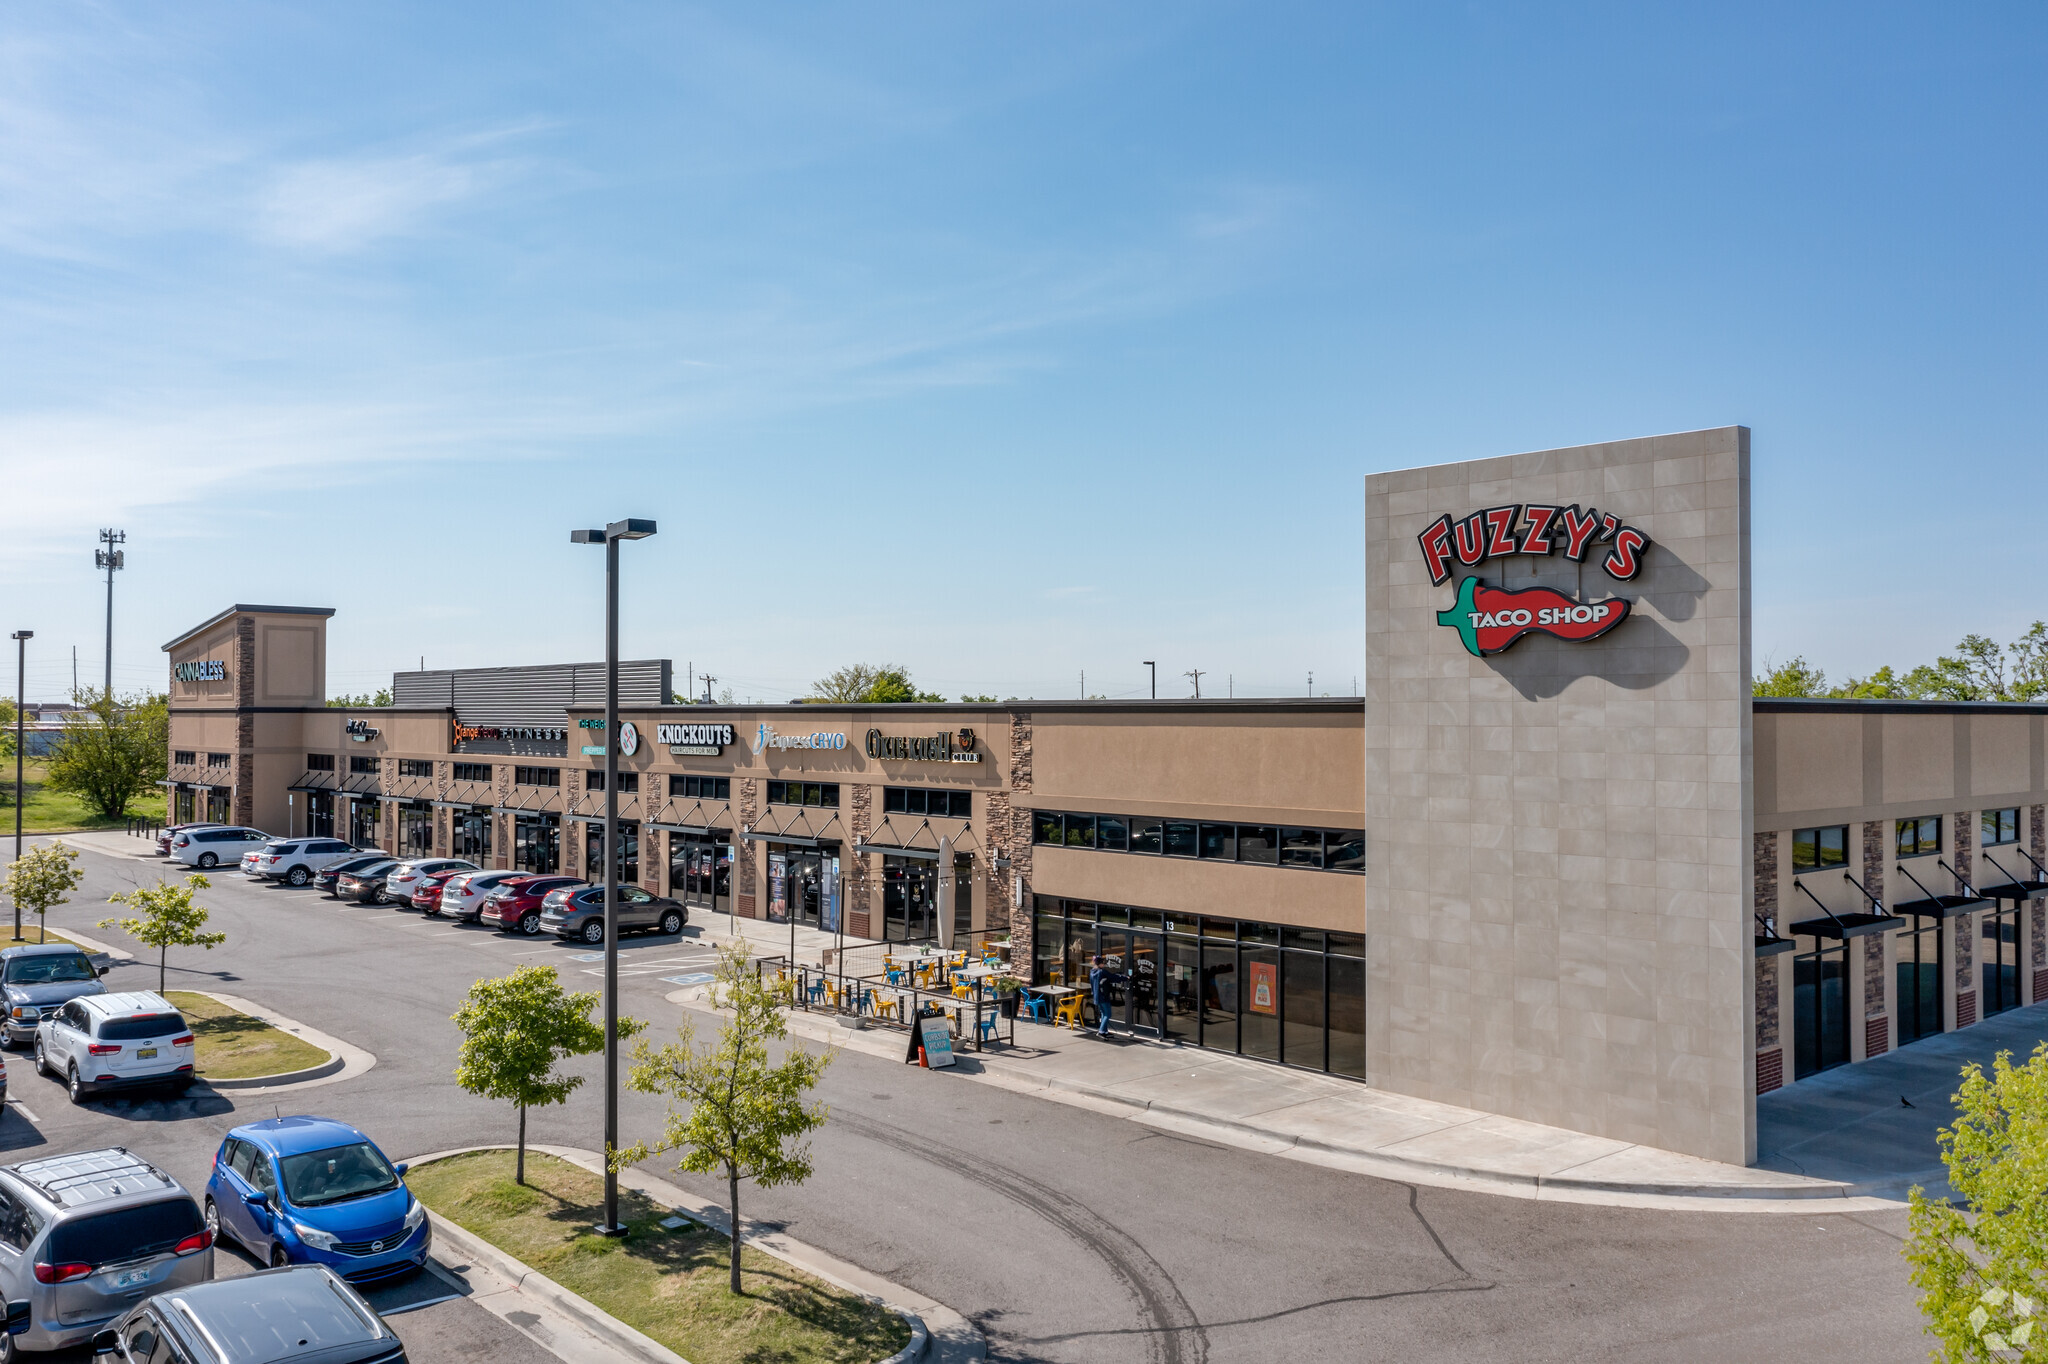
[[1559, 929], [1306, 899], [1823, 767], [1306, 762]]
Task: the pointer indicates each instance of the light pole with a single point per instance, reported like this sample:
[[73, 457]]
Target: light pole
[[1155, 678], [21, 639], [110, 559], [609, 537]]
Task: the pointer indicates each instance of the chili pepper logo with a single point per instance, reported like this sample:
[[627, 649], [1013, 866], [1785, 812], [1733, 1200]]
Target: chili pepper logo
[[1488, 619]]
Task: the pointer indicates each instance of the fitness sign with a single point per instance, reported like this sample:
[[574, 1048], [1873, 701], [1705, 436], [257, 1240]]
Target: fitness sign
[[1489, 619]]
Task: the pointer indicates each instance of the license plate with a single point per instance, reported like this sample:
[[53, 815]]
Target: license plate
[[144, 1053], [132, 1278]]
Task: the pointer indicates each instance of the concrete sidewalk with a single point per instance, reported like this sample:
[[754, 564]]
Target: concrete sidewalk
[[1872, 1126], [1315, 1118]]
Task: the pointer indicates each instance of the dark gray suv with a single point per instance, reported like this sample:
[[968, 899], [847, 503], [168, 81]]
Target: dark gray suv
[[303, 1312], [41, 979], [579, 913]]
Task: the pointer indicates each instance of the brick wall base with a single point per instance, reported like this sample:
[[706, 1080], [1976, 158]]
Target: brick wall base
[[1770, 1070], [2041, 987], [857, 924], [747, 907], [1877, 1037], [1966, 1010]]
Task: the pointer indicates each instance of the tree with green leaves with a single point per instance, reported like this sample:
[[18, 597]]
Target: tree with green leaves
[[744, 1112], [39, 880], [1794, 678], [1984, 1266], [167, 916], [868, 684], [361, 701], [112, 749], [514, 1029]]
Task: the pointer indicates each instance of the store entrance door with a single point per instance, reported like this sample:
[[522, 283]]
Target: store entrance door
[[1137, 957], [698, 876]]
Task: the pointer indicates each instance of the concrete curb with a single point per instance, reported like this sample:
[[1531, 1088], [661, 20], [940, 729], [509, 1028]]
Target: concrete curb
[[937, 1332], [1805, 1197], [344, 1060]]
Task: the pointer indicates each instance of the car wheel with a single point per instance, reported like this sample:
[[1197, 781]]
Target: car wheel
[[672, 922], [278, 1259], [297, 876], [529, 922], [383, 897], [207, 861], [42, 1060], [213, 1225], [593, 932], [76, 1086]]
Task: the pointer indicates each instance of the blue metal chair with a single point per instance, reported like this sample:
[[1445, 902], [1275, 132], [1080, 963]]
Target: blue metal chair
[[817, 989], [988, 1026], [1032, 1004]]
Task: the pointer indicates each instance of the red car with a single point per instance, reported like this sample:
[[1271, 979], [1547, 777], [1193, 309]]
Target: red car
[[426, 892], [515, 905]]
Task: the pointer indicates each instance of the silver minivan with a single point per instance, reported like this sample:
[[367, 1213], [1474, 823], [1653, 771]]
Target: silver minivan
[[86, 1236], [210, 848]]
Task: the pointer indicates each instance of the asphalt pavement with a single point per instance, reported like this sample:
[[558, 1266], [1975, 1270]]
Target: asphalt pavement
[[1067, 1235]]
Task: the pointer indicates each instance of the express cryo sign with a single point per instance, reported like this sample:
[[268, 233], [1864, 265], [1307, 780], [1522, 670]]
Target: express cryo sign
[[766, 738], [1489, 619]]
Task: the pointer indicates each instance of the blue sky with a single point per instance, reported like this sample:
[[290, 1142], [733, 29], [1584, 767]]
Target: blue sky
[[1003, 342]]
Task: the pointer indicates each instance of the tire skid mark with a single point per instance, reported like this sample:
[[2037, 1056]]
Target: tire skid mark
[[1176, 1335]]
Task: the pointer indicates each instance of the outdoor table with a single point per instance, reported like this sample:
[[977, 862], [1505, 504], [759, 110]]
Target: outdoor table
[[1053, 991]]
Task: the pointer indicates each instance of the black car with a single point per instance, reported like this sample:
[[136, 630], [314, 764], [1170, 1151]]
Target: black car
[[329, 878], [365, 887], [40, 978], [301, 1312]]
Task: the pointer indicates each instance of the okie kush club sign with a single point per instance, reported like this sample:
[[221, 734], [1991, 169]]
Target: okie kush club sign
[[1489, 619]]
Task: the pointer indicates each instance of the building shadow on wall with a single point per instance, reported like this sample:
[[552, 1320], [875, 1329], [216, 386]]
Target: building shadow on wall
[[1640, 652]]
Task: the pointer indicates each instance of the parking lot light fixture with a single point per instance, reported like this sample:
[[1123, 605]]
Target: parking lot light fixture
[[631, 529], [21, 639]]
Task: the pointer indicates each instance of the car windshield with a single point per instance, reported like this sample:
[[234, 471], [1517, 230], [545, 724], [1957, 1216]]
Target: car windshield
[[49, 969], [337, 1173]]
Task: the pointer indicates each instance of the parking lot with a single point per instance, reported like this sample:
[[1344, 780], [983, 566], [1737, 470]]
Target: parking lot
[[1067, 1235]]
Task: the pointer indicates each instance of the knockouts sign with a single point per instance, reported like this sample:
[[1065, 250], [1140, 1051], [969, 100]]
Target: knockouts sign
[[1489, 619], [706, 741]]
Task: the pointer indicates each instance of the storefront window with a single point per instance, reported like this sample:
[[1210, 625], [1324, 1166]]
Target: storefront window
[[537, 843], [217, 804], [473, 835], [1998, 961], [416, 829], [909, 899], [1820, 1009], [628, 850], [362, 823], [181, 806], [320, 813], [1919, 972]]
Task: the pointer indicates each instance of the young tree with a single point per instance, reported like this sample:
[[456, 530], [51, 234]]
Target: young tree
[[37, 883], [868, 684], [514, 1029], [1985, 1270], [360, 701], [168, 917], [744, 1112], [112, 750], [1796, 678]]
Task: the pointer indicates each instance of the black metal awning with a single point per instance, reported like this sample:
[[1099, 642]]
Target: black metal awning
[[310, 780], [1941, 906], [1771, 947], [891, 850], [790, 840], [702, 829], [462, 805], [2015, 890], [1846, 926]]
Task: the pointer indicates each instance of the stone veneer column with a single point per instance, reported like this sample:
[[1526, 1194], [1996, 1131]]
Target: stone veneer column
[[572, 842], [243, 801], [743, 851], [1560, 919], [2037, 822], [1963, 849], [854, 866], [1020, 817], [1770, 1053], [996, 833]]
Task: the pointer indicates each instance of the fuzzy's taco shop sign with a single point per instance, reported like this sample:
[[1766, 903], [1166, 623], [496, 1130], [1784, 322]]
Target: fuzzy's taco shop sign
[[1490, 618]]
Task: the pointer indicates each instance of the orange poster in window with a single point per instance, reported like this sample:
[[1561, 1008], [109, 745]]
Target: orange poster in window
[[1265, 985]]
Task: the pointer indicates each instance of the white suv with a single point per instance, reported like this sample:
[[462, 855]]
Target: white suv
[[116, 1041], [295, 860], [398, 886], [208, 848]]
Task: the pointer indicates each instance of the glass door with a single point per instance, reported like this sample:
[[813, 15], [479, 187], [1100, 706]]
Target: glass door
[[694, 874], [1146, 979], [1999, 961], [1178, 987], [804, 876], [537, 843], [1820, 1010], [1918, 972], [1115, 949], [320, 814]]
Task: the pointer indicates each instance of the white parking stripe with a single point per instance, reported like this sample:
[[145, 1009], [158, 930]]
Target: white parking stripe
[[416, 1306], [26, 1112]]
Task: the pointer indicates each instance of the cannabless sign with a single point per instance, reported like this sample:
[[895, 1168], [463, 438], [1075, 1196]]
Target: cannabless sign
[[1489, 619]]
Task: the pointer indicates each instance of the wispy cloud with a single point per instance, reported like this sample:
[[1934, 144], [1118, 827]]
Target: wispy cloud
[[346, 203]]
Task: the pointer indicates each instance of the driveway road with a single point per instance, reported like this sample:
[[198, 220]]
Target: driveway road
[[1069, 1235]]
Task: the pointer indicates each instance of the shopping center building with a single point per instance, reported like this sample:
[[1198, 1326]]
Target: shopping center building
[[1607, 889]]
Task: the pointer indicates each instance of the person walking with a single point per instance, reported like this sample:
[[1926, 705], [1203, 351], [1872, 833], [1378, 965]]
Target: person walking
[[1102, 979]]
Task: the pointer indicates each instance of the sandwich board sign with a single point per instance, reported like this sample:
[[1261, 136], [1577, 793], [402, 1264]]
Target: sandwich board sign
[[937, 1036]]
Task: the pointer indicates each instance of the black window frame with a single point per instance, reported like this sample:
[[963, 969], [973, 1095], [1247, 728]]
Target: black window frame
[[185, 757], [472, 772], [416, 767], [1258, 845], [918, 800], [547, 777], [777, 792], [360, 766], [319, 762], [629, 782], [220, 759], [1923, 846], [1988, 819], [1817, 860], [690, 786]]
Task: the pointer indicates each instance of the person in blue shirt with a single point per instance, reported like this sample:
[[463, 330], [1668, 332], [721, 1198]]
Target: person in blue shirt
[[1102, 978]]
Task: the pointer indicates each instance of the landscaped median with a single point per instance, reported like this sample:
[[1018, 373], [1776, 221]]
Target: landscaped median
[[231, 1045], [667, 1282]]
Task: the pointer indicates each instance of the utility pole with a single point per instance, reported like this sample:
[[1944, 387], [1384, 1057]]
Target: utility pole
[[1311, 681], [21, 639], [1155, 677], [1196, 674], [1084, 684], [110, 559], [708, 680]]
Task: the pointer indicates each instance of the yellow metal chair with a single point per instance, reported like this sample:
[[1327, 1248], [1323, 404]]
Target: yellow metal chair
[[885, 1008], [1068, 1012]]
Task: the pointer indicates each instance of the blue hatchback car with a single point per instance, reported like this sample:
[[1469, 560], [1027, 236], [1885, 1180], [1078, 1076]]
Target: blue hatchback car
[[315, 1191]]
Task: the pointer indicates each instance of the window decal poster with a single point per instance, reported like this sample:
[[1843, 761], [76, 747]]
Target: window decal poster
[[1265, 987], [778, 883]]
